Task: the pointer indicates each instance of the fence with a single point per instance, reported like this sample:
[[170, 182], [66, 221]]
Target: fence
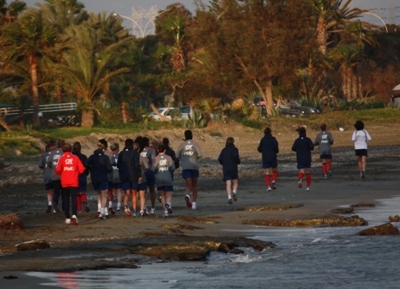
[[58, 107]]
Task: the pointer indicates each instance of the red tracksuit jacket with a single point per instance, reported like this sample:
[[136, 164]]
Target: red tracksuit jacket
[[69, 167]]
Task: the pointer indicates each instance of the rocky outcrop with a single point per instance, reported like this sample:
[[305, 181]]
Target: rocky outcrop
[[199, 220], [362, 204], [185, 248], [277, 207], [11, 222], [33, 245], [343, 211], [325, 221], [382, 230], [394, 219]]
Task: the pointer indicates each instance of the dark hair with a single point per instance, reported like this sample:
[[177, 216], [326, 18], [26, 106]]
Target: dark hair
[[188, 134], [66, 147], [60, 143], [136, 146], [230, 140], [359, 125], [161, 148], [76, 147], [104, 143], [267, 130], [301, 129], [323, 126], [114, 146], [165, 141], [145, 141], [129, 142], [50, 144]]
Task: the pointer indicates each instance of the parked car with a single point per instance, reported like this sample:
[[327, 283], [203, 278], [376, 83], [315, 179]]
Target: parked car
[[293, 107], [162, 110], [288, 106], [182, 113]]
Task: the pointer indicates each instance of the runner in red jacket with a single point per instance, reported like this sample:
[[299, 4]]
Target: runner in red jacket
[[69, 167]]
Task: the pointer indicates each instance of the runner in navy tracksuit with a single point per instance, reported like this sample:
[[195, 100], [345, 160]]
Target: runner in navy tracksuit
[[303, 147], [99, 166], [229, 159], [269, 148], [129, 172]]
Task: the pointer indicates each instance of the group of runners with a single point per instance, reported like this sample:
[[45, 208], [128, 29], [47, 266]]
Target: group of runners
[[122, 175], [126, 175]]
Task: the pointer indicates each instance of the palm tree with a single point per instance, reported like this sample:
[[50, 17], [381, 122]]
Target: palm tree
[[24, 43], [9, 13], [60, 15], [332, 18], [89, 65]]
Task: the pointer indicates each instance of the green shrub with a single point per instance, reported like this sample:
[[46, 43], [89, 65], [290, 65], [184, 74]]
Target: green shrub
[[251, 123]]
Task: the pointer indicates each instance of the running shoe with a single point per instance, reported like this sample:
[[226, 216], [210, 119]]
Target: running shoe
[[363, 175], [118, 208], [329, 172], [102, 217], [273, 185], [106, 211], [56, 209], [230, 201], [234, 195], [194, 207], [142, 214], [134, 214], [188, 202], [165, 214], [48, 210], [111, 210], [152, 211], [74, 220], [87, 209], [169, 208], [269, 189], [127, 211], [326, 177], [308, 189], [300, 183], [68, 221]]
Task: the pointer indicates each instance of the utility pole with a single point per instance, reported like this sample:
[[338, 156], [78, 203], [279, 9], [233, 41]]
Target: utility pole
[[142, 21]]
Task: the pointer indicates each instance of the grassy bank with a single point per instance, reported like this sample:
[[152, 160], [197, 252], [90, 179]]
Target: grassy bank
[[20, 144]]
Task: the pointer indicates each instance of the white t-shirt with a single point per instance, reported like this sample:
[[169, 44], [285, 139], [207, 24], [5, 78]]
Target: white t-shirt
[[360, 139]]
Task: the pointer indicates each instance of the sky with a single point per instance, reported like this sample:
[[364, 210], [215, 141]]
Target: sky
[[386, 11]]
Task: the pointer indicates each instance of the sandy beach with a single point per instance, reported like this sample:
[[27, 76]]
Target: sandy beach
[[72, 247]]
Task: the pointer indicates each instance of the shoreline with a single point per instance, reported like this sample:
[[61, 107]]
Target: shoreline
[[72, 245]]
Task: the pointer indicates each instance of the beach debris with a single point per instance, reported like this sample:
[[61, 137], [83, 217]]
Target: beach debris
[[381, 230], [11, 222], [33, 245], [10, 277]]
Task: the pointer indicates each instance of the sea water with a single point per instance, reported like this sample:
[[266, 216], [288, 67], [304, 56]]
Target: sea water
[[306, 258]]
